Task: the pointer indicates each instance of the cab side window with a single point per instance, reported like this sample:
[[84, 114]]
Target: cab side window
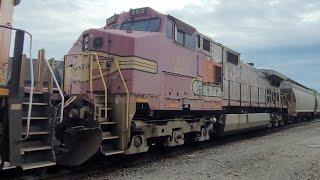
[[169, 31], [190, 41], [180, 37], [206, 45], [185, 39], [232, 58]]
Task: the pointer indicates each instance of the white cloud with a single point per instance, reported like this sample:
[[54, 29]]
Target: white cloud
[[311, 16], [246, 25], [273, 2], [56, 24]]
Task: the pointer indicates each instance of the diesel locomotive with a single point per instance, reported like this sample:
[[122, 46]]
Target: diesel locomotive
[[147, 78], [144, 79]]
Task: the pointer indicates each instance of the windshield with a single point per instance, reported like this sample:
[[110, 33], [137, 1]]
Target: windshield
[[151, 25]]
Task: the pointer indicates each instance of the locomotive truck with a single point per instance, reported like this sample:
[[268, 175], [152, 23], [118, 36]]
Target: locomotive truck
[[145, 79]]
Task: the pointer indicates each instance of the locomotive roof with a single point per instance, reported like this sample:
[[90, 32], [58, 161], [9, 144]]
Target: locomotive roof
[[298, 84], [271, 72], [190, 29], [182, 25]]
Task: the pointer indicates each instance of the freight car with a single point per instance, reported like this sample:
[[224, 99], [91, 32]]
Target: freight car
[[303, 103], [141, 80]]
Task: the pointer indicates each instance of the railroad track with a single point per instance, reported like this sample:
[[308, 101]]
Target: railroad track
[[109, 164]]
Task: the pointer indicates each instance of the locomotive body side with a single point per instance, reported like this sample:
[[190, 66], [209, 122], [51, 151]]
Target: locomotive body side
[[246, 87], [249, 96]]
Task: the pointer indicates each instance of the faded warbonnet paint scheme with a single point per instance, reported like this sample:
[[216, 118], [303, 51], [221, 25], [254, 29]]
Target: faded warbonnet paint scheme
[[162, 81]]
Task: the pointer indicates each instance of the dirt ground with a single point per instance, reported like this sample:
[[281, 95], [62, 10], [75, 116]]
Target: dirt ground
[[292, 153]]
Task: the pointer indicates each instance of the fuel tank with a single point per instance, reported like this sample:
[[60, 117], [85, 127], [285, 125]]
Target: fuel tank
[[234, 123]]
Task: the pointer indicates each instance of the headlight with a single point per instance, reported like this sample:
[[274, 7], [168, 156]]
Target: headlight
[[73, 114], [85, 42]]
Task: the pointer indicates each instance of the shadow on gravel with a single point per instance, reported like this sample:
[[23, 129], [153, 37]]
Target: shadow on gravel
[[100, 165]]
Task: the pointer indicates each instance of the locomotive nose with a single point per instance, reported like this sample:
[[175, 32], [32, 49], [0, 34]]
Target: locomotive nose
[[117, 42]]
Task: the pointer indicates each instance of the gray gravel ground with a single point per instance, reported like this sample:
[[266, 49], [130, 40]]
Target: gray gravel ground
[[292, 153]]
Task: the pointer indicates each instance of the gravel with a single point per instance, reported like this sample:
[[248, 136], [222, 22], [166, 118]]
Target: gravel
[[292, 153]]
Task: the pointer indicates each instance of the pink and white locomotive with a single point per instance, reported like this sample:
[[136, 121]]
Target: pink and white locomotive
[[147, 78]]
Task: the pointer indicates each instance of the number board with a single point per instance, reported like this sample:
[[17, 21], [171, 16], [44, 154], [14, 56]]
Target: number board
[[138, 12]]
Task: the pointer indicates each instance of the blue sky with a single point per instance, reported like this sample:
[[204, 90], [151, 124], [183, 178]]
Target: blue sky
[[278, 34]]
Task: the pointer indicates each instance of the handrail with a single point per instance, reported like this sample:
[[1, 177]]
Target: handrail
[[103, 82], [31, 78], [90, 72], [90, 75], [69, 101], [59, 89], [31, 87], [127, 92]]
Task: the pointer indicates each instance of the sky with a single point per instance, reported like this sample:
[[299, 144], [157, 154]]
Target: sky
[[283, 35]]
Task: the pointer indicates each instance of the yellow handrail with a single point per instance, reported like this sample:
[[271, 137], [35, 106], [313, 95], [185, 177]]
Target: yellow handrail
[[127, 92], [90, 75], [103, 80]]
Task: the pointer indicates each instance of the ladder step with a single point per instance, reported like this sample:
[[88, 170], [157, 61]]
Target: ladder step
[[38, 148], [109, 137], [108, 109], [36, 133], [112, 152], [34, 92], [35, 104], [99, 95], [107, 123], [36, 118], [38, 164], [105, 108]]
